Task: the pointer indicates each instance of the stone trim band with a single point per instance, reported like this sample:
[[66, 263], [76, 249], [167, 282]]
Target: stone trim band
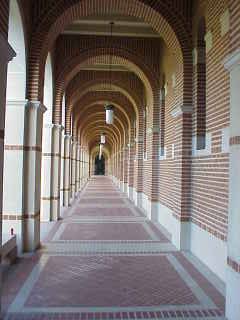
[[22, 148], [233, 264], [234, 140], [50, 198], [19, 217]]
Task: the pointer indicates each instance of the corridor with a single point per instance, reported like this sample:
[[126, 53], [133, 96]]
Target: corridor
[[105, 260]]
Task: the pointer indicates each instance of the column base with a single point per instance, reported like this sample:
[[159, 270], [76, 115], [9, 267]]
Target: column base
[[130, 193], [125, 188], [137, 198], [31, 233], [232, 294]]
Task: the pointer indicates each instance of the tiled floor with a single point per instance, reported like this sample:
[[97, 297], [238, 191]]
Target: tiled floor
[[105, 260]]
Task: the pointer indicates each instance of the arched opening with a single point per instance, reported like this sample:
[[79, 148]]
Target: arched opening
[[99, 165], [13, 175]]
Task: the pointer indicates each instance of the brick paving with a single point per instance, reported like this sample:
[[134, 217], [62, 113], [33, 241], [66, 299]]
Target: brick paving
[[104, 260]]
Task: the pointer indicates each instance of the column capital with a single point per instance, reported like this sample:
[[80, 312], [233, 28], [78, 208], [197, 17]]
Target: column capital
[[232, 60], [56, 126], [36, 105], [180, 110], [67, 137], [7, 52]]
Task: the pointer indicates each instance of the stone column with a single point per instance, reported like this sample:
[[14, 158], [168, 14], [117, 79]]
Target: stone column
[[73, 169], [78, 168], [62, 172], [66, 170], [46, 173], [32, 174], [6, 55], [232, 64], [13, 213], [55, 171]]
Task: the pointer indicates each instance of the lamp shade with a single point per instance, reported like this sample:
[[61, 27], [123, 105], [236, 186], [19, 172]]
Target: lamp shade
[[109, 114], [103, 138]]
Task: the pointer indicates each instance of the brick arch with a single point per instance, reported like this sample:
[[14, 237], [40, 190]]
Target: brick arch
[[96, 85], [161, 15], [96, 97], [101, 55], [126, 80], [114, 138], [124, 117], [99, 117], [93, 88], [97, 109]]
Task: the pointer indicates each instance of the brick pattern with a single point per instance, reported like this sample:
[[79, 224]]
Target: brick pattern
[[233, 264], [209, 177], [4, 15]]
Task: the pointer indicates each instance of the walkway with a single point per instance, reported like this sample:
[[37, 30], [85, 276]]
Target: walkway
[[105, 260]]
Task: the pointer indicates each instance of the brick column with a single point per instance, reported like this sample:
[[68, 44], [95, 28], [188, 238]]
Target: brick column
[[232, 64], [66, 170], [125, 169], [182, 177], [32, 174], [138, 163], [121, 169], [131, 155]]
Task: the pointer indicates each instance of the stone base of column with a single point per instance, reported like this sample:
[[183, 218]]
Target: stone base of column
[[137, 198], [181, 234], [55, 208], [232, 291], [125, 187], [45, 209], [121, 186], [31, 227], [66, 197], [130, 193]]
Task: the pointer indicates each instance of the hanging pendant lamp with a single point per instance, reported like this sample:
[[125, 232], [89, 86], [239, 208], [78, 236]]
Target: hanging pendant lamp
[[103, 138], [109, 108]]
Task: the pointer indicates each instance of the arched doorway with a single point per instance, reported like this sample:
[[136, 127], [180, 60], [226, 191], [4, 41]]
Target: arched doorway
[[99, 166]]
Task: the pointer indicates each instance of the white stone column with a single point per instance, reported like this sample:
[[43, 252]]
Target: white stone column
[[73, 169], [82, 169], [232, 63], [6, 55], [13, 213], [46, 173], [32, 174], [77, 168], [56, 171], [66, 170], [62, 172]]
